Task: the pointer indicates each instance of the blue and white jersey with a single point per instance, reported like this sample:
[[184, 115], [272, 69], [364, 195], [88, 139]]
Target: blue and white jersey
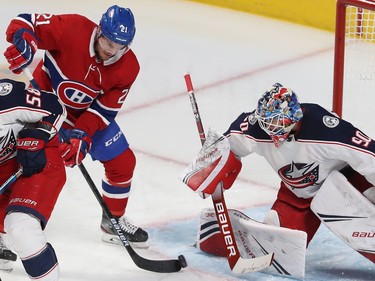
[[19, 106], [322, 143]]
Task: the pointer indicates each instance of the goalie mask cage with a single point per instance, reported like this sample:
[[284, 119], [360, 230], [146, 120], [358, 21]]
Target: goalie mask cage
[[354, 59]]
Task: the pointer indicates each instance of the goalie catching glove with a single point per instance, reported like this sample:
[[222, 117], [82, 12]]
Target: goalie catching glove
[[215, 165]]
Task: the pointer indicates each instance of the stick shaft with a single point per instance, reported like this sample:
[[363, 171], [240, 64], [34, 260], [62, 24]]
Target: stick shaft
[[218, 199]]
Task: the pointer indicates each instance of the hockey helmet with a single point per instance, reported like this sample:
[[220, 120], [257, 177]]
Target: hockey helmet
[[118, 25], [277, 112]]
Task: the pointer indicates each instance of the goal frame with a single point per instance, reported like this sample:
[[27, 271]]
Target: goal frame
[[339, 53]]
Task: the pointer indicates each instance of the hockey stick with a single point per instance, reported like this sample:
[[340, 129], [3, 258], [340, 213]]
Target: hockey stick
[[151, 265], [163, 266], [29, 76], [10, 180], [236, 262]]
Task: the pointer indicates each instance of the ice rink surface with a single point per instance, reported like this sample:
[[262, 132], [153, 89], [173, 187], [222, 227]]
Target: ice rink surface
[[232, 58]]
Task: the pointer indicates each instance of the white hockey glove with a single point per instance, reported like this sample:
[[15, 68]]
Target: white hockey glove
[[215, 165]]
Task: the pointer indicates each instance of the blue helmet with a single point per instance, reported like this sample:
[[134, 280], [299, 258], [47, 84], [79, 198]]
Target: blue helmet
[[277, 111], [118, 25]]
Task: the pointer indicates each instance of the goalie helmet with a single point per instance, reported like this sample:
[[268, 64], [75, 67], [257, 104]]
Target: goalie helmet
[[277, 112], [118, 25]]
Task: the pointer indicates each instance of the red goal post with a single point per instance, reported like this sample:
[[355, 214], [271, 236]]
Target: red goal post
[[354, 58]]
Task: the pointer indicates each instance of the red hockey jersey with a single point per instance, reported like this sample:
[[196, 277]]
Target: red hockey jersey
[[71, 69]]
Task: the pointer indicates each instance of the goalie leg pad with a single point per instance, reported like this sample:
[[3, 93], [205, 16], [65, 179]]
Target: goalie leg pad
[[370, 194], [210, 239], [255, 239], [359, 182], [350, 216]]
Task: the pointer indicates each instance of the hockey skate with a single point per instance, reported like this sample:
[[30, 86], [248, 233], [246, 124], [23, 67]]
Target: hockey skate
[[7, 257], [136, 236]]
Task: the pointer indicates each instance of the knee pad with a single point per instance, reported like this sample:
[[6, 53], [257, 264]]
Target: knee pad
[[28, 240], [25, 233]]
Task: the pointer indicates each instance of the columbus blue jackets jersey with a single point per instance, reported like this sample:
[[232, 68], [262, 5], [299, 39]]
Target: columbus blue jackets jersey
[[20, 106], [322, 143]]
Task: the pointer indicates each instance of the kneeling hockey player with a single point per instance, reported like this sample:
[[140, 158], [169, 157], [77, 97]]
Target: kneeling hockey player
[[325, 164]]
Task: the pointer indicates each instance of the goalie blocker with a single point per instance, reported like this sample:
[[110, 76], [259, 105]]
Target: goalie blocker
[[216, 165]]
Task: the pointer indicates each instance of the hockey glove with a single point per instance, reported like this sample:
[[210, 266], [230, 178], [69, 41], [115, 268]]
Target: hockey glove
[[30, 151], [215, 165], [75, 150], [21, 53]]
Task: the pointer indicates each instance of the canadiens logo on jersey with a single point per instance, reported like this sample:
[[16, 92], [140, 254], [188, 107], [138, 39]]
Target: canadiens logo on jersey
[[76, 95], [7, 144], [299, 175], [5, 88]]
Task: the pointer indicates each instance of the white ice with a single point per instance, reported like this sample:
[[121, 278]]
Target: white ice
[[232, 58]]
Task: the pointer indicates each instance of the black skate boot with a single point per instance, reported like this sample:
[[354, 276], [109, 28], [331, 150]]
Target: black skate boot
[[136, 236], [7, 257]]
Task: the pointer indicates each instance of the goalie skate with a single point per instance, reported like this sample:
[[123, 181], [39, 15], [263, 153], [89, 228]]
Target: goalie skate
[[136, 236], [7, 257]]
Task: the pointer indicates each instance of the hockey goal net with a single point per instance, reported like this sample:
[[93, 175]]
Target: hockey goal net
[[354, 63]]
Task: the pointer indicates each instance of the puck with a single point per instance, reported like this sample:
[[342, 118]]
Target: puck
[[182, 260]]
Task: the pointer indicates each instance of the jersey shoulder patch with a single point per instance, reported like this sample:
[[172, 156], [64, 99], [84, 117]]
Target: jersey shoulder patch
[[330, 121], [5, 88]]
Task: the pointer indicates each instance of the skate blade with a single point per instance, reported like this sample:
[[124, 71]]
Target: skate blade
[[108, 238]]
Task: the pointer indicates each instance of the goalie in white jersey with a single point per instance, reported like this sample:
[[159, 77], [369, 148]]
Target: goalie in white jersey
[[305, 144]]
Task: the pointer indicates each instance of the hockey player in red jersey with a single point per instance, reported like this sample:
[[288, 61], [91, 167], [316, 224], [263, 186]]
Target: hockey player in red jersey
[[314, 152], [91, 68], [29, 121]]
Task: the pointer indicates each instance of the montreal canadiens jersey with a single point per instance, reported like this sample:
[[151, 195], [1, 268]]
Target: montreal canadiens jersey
[[322, 143], [19, 106], [71, 69]]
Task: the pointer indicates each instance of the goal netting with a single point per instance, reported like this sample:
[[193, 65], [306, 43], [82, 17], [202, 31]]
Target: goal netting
[[354, 66]]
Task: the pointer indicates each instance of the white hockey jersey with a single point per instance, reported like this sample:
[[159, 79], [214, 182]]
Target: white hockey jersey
[[19, 106], [322, 143]]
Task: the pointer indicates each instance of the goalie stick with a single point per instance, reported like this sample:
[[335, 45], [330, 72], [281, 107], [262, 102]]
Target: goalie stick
[[162, 266], [236, 263]]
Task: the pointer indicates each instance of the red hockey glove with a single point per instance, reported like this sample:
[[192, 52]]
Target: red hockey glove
[[21, 53], [30, 151], [75, 150]]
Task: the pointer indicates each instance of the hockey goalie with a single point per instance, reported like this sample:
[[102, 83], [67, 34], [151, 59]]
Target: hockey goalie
[[327, 172]]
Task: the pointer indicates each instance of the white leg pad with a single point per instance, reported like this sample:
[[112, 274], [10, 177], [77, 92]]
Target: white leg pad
[[370, 194], [272, 218], [255, 239], [347, 213]]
